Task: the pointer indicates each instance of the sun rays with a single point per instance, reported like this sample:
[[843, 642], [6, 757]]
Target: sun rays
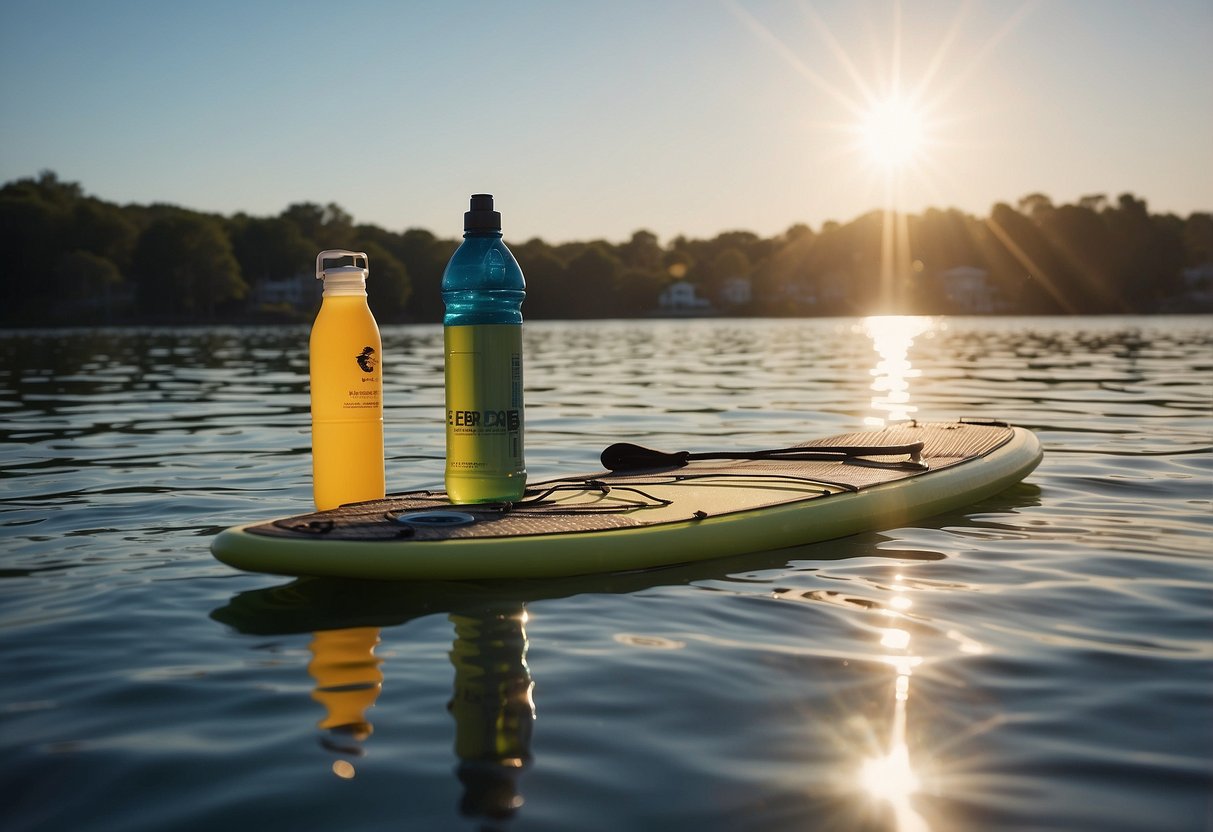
[[897, 129], [891, 122]]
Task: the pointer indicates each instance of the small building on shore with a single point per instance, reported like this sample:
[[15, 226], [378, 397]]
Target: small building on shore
[[301, 291], [968, 290], [681, 298], [736, 291]]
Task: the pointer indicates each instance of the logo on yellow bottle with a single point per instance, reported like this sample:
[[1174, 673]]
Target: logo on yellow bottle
[[367, 359]]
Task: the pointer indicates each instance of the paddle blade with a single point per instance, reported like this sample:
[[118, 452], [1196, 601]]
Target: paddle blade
[[624, 456]]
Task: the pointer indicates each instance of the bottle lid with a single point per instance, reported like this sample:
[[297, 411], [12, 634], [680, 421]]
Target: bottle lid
[[343, 280], [482, 217], [342, 271]]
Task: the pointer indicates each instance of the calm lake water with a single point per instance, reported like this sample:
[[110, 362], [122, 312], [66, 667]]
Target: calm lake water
[[1040, 660]]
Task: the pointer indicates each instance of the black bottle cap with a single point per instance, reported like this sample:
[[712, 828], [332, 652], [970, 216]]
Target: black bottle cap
[[482, 217]]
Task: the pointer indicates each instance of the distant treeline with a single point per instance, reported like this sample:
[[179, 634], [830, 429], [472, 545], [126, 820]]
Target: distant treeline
[[69, 258]]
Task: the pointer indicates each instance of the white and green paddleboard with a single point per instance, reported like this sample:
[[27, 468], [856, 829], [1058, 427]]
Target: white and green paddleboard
[[651, 509]]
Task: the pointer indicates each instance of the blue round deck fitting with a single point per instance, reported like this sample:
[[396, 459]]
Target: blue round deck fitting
[[432, 519]]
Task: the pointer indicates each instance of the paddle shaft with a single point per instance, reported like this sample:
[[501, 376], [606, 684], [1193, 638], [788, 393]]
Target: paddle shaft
[[626, 456]]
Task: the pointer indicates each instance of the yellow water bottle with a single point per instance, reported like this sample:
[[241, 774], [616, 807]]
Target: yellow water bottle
[[347, 388]]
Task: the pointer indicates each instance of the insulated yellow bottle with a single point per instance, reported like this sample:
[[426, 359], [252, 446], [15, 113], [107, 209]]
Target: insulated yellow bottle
[[347, 388]]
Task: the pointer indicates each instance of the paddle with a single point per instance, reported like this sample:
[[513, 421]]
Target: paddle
[[624, 456]]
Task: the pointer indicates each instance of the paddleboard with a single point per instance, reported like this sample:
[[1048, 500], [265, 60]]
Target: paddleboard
[[670, 513]]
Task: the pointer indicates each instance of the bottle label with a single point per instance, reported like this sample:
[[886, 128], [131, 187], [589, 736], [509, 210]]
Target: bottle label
[[484, 398], [345, 383]]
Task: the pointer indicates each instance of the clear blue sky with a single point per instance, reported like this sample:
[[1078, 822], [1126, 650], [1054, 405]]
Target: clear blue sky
[[593, 120]]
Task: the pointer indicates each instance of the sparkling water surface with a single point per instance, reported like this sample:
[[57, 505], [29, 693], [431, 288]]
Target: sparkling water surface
[[1039, 660]]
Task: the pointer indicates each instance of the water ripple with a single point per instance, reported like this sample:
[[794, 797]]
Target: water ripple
[[1039, 659]]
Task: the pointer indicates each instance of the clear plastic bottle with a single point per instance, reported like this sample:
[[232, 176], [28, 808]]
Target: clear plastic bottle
[[347, 388], [483, 290]]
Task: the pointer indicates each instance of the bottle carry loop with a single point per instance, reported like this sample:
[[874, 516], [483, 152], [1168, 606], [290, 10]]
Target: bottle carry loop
[[333, 254]]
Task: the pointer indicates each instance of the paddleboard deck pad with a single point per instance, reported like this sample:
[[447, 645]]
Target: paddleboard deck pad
[[615, 521]]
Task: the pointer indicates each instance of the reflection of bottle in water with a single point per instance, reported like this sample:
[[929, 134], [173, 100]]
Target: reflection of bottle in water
[[493, 710], [347, 389], [483, 290], [348, 681]]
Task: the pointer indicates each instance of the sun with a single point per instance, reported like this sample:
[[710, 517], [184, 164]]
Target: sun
[[893, 132]]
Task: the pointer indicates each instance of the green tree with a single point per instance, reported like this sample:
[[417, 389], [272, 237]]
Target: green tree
[[424, 257], [387, 287], [592, 275], [324, 226], [29, 231], [35, 231], [270, 248], [1147, 254], [781, 282], [1094, 202], [642, 252], [731, 262], [546, 280], [1081, 242], [103, 229], [1035, 206], [184, 268], [636, 292], [941, 240], [1021, 257], [89, 288], [1198, 239]]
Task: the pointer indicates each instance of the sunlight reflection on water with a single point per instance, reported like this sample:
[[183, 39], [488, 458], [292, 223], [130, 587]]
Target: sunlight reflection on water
[[892, 336], [890, 776]]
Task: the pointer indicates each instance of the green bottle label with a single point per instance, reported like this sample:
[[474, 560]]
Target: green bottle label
[[484, 453]]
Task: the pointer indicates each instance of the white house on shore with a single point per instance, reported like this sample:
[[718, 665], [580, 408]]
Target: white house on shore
[[300, 291], [680, 298], [736, 291], [969, 290], [1197, 292]]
